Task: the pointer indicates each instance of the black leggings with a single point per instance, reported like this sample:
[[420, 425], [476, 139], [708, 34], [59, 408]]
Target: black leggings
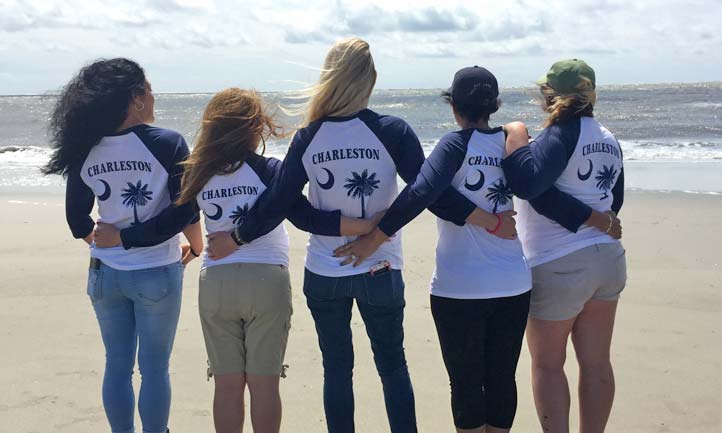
[[480, 342]]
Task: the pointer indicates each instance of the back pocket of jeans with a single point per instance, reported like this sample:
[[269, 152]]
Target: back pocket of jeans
[[384, 289], [319, 287], [152, 284], [95, 284]]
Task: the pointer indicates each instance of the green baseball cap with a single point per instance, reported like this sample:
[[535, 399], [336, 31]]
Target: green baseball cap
[[565, 75]]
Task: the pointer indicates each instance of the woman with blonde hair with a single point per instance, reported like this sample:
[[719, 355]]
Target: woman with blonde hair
[[245, 297], [350, 156], [578, 263]]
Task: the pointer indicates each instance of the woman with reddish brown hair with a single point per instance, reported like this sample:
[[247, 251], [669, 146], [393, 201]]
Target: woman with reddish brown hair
[[245, 297]]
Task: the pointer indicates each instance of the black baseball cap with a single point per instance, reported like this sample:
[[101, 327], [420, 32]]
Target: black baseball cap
[[474, 86]]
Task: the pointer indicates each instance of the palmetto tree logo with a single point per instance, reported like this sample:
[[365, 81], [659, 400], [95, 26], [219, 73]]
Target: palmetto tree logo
[[499, 194], [361, 186], [605, 179], [136, 195], [239, 214]]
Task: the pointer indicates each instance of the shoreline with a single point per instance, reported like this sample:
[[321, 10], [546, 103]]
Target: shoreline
[[700, 177]]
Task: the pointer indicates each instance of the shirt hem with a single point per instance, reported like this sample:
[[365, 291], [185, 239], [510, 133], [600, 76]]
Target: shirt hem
[[279, 262], [138, 267], [345, 271], [540, 259], [467, 295]]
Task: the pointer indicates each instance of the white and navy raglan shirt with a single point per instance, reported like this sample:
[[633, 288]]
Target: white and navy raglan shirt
[[134, 176], [471, 263], [227, 199], [351, 164], [579, 157]]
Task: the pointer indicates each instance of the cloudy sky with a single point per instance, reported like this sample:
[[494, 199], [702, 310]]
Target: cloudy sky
[[201, 46]]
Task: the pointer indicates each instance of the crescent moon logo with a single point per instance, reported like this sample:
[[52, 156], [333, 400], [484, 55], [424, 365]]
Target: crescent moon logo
[[329, 182], [106, 194], [217, 215], [586, 175], [475, 186]]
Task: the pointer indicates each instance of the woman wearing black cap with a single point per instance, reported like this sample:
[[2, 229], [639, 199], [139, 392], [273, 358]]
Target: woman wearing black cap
[[480, 287], [578, 264]]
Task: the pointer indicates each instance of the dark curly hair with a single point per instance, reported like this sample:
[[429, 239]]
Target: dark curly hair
[[92, 105]]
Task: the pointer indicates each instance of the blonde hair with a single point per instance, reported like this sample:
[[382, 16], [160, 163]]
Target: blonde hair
[[234, 123], [347, 80], [564, 107]]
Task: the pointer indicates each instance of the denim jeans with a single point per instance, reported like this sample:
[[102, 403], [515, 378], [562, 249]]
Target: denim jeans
[[137, 309], [380, 300]]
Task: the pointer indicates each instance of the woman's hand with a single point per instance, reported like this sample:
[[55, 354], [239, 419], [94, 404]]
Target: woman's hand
[[194, 248], [220, 245], [106, 235], [90, 238], [360, 249], [501, 224], [506, 225], [606, 222], [517, 136]]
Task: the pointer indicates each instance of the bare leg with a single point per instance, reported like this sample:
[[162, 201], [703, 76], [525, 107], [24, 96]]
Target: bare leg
[[228, 409], [592, 338], [547, 342], [265, 403]]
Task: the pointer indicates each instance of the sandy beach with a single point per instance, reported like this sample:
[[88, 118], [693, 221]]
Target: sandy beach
[[666, 351]]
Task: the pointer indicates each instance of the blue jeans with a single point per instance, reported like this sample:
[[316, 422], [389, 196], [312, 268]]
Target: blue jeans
[[380, 300], [137, 309]]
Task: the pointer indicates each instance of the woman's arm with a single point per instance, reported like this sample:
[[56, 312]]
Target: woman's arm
[[434, 178], [284, 187], [405, 149], [328, 223], [79, 200], [571, 213], [194, 247], [531, 170]]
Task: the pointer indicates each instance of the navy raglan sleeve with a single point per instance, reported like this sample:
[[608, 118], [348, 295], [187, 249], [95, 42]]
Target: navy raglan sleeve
[[79, 201], [406, 151], [430, 183], [277, 200], [533, 169], [568, 211], [170, 149], [302, 214], [618, 193]]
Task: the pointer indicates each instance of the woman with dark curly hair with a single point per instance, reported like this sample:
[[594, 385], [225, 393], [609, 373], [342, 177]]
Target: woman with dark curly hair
[[110, 155]]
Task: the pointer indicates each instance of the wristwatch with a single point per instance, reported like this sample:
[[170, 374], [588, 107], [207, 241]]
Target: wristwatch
[[237, 237]]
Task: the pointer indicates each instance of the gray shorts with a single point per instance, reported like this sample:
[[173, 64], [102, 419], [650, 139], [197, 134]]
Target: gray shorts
[[560, 288]]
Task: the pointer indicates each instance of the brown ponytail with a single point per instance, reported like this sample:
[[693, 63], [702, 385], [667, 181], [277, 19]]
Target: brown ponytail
[[564, 107]]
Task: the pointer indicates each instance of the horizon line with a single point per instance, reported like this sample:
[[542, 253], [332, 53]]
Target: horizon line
[[530, 86]]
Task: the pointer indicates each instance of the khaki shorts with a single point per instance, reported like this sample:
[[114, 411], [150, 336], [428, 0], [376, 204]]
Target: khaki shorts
[[560, 288], [245, 313]]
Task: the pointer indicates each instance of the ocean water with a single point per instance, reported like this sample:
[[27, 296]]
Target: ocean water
[[671, 135]]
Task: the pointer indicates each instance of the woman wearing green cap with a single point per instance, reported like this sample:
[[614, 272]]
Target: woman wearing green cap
[[578, 264]]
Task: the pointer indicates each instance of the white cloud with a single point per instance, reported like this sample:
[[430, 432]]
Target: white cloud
[[202, 44]]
